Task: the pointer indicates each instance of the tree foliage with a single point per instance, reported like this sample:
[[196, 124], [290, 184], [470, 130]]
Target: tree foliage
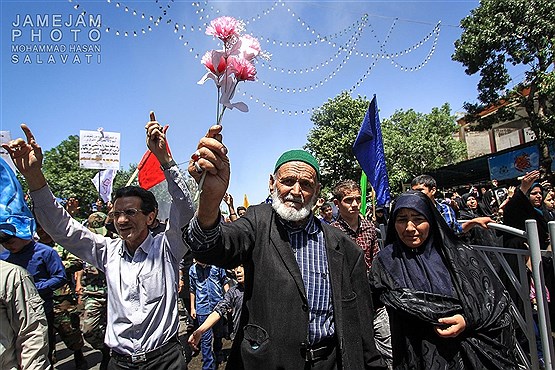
[[413, 142], [501, 33], [66, 178], [336, 125]]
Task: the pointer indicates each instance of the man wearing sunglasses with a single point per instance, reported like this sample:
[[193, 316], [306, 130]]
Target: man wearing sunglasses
[[141, 269]]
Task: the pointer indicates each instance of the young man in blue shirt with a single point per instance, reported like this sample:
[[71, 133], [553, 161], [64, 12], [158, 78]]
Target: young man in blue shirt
[[207, 287], [44, 265]]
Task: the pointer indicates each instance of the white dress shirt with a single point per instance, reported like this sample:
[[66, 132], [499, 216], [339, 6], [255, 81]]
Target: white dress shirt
[[142, 289]]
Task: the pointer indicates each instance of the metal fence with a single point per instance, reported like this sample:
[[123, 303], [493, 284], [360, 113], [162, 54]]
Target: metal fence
[[524, 317]]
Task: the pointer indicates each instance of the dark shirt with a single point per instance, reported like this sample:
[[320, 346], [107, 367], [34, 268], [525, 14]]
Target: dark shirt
[[232, 302], [46, 267]]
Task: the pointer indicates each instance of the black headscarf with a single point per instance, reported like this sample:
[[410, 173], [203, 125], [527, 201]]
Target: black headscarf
[[477, 294], [421, 268], [466, 211], [536, 185]]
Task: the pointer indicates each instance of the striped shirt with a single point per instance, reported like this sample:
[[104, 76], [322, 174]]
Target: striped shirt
[[450, 217], [309, 247]]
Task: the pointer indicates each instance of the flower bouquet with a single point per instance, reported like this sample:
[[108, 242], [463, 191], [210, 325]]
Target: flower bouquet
[[231, 64]]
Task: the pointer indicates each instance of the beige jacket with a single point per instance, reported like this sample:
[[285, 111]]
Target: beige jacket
[[23, 327]]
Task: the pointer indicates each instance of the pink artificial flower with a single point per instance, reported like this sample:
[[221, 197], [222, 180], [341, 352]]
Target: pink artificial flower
[[249, 47], [215, 62], [243, 69], [228, 86], [223, 28]]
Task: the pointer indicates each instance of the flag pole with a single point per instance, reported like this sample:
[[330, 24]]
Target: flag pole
[[133, 176], [363, 186], [99, 184]]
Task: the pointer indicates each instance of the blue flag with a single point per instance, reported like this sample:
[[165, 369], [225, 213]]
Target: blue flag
[[368, 150], [15, 217]]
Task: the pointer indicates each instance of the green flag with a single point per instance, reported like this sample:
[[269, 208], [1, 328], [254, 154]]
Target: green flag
[[363, 186]]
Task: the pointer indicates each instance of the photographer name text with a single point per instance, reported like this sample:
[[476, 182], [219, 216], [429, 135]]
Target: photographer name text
[[56, 38]]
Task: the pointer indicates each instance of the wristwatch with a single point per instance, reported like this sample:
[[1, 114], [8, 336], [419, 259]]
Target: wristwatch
[[168, 165]]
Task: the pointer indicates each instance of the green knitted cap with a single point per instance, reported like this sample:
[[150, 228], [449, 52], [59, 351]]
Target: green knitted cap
[[301, 156]]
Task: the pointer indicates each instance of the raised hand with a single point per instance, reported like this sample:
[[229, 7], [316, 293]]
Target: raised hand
[[156, 140], [27, 157], [528, 180], [228, 199], [211, 161]]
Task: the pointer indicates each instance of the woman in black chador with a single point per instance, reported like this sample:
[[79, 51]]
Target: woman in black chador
[[447, 309]]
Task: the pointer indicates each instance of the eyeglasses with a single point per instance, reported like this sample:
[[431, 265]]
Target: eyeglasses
[[131, 212], [535, 192]]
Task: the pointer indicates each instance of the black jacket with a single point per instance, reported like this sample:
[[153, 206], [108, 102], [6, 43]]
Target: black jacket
[[274, 319]]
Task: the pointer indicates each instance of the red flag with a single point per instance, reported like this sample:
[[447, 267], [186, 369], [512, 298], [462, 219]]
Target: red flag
[[150, 173]]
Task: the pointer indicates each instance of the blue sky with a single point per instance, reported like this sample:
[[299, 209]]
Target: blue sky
[[159, 69]]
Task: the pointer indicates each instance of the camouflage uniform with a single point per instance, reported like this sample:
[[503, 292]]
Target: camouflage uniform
[[94, 300], [66, 312], [95, 292]]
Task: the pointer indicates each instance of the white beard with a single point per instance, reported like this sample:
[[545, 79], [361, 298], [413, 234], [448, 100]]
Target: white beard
[[289, 213]]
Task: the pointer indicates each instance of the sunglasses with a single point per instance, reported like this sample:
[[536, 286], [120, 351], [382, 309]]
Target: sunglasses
[[5, 237]]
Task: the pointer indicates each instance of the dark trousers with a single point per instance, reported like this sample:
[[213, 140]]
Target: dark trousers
[[51, 335], [172, 359]]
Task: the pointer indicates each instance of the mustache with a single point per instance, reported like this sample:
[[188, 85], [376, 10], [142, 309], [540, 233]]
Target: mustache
[[292, 198]]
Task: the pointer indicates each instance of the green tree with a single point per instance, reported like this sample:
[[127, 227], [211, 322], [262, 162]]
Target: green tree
[[122, 176], [336, 125], [501, 33], [415, 143], [66, 178]]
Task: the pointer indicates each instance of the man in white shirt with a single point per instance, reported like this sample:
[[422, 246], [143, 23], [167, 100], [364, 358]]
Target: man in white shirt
[[141, 269]]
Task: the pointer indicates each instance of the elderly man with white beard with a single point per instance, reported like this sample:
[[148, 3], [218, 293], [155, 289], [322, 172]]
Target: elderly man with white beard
[[307, 302]]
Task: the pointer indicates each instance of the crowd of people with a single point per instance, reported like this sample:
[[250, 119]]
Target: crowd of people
[[298, 282]]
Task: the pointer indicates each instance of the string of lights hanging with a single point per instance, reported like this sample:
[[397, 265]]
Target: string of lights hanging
[[342, 51]]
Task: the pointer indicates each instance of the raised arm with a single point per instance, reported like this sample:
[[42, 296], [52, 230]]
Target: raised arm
[[156, 141], [228, 199], [210, 158], [528, 180], [27, 157], [181, 209]]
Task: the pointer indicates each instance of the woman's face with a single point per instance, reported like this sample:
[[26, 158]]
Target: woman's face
[[536, 196], [472, 203], [549, 200], [412, 227]]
